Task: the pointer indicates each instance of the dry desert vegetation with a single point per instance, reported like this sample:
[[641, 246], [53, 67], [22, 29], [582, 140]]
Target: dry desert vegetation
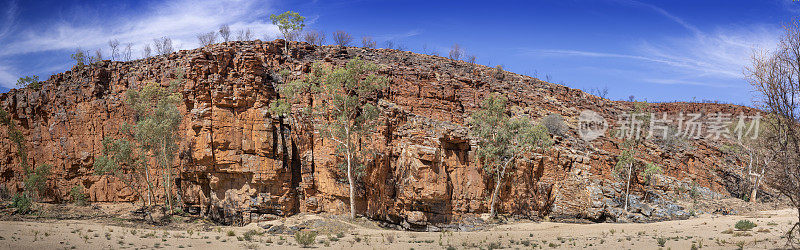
[[105, 226]]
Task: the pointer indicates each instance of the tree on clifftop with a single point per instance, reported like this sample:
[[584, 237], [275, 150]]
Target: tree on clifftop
[[348, 115], [29, 81], [289, 23], [503, 139]]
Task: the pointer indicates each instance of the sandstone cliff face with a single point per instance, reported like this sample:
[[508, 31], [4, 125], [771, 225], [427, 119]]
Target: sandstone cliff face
[[239, 162]]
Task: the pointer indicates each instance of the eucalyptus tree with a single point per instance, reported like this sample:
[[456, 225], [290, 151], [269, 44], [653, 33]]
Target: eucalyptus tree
[[503, 139], [289, 24], [152, 138], [349, 114]]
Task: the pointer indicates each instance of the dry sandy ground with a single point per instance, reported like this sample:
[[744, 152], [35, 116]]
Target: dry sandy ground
[[705, 231]]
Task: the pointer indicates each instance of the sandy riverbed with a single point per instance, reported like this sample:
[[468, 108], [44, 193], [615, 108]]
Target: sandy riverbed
[[705, 231]]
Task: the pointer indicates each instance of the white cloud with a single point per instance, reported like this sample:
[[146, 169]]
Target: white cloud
[[604, 55], [7, 75], [697, 57], [8, 18], [399, 36], [662, 12], [684, 82], [180, 20], [723, 53]]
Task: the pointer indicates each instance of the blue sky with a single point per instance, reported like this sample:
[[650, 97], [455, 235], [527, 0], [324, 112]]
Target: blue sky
[[654, 50]]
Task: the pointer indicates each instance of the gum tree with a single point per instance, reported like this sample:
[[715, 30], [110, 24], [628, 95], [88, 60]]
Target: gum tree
[[349, 114], [29, 81], [289, 23], [503, 139], [153, 137]]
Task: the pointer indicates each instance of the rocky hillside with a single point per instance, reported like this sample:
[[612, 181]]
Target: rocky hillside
[[238, 162]]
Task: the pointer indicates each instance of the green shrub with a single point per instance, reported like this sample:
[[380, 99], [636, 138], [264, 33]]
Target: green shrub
[[23, 203], [4, 118], [248, 236], [37, 179], [662, 242], [80, 58], [305, 239], [744, 225], [78, 195], [29, 81]]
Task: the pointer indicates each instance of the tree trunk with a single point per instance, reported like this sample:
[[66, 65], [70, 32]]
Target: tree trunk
[[628, 188], [286, 48], [167, 177], [754, 194], [352, 190], [149, 185], [350, 175], [492, 210]]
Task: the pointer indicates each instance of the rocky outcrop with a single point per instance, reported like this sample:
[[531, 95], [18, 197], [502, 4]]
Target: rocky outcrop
[[238, 162]]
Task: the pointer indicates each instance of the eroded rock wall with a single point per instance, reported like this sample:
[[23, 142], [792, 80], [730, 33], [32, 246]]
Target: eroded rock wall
[[239, 162]]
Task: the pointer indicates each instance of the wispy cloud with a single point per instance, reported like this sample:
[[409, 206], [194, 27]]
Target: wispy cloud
[[8, 17], [723, 53], [399, 36], [662, 12], [720, 54], [684, 82], [180, 20], [604, 55], [7, 75]]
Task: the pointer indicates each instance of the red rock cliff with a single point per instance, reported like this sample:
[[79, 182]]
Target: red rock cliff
[[238, 161]]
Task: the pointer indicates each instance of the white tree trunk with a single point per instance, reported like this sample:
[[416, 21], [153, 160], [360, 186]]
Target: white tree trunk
[[352, 190], [350, 175], [754, 193], [149, 186], [492, 210], [628, 188]]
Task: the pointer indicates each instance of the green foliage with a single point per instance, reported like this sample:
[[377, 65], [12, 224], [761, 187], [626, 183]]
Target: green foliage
[[37, 179], [744, 225], [4, 118], [78, 195], [628, 156], [650, 170], [248, 236], [662, 241], [288, 22], [152, 138], [80, 57], [305, 239], [29, 81], [501, 137], [23, 203], [297, 89], [348, 116], [116, 155]]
